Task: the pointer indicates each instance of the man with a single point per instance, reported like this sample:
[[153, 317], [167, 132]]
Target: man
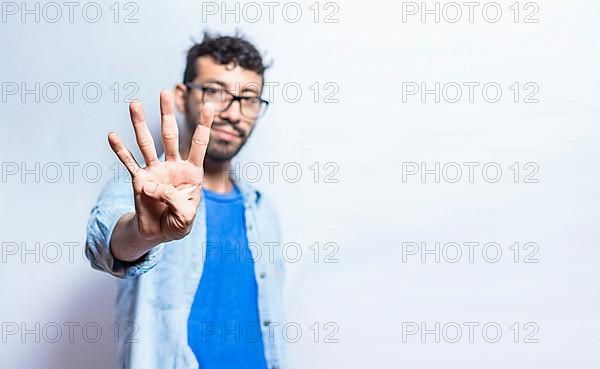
[[189, 242]]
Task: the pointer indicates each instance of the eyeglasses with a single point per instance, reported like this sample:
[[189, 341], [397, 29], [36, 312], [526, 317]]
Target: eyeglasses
[[252, 107]]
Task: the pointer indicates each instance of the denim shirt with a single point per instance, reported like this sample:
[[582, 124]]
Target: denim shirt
[[156, 292]]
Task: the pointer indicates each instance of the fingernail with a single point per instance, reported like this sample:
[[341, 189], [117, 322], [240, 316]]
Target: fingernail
[[191, 189]]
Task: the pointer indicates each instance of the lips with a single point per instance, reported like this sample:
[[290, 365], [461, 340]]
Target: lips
[[225, 134]]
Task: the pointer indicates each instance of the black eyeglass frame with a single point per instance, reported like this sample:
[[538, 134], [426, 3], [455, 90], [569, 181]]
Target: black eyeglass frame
[[234, 98]]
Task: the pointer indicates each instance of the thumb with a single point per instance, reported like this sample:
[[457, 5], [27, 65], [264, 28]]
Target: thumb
[[165, 193]]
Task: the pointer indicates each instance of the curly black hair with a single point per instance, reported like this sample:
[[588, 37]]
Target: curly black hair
[[224, 50]]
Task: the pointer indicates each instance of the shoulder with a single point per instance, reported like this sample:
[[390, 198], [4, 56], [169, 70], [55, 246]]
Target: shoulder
[[263, 205], [255, 196]]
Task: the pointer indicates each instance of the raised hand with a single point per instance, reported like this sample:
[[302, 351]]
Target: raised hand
[[166, 194]]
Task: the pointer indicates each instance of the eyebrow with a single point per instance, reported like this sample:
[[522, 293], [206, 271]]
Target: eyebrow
[[245, 89], [221, 83], [248, 89]]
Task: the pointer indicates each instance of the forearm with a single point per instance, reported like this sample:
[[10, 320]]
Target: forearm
[[126, 243]]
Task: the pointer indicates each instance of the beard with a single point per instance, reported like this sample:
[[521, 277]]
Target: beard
[[219, 150]]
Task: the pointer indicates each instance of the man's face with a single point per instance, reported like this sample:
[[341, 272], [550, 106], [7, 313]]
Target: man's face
[[231, 127]]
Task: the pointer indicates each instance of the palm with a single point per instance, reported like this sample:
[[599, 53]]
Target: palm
[[154, 215], [166, 193]]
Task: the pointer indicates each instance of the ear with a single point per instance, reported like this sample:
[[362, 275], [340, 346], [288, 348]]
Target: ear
[[181, 92]]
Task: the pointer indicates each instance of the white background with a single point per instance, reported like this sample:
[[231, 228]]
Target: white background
[[371, 212]]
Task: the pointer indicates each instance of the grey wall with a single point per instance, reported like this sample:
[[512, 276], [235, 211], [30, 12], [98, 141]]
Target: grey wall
[[377, 287]]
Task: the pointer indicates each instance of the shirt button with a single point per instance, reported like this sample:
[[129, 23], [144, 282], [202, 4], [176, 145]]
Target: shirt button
[[263, 275]]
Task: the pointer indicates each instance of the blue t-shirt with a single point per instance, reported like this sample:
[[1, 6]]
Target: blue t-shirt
[[223, 328]]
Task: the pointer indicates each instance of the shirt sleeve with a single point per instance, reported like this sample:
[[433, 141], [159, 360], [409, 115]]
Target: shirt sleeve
[[115, 201]]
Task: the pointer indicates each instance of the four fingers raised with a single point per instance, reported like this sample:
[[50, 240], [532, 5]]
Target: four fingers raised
[[166, 193]]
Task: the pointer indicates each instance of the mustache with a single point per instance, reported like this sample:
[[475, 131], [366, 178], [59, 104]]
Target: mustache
[[225, 122]]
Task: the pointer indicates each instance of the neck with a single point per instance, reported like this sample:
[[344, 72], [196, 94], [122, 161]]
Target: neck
[[216, 176]]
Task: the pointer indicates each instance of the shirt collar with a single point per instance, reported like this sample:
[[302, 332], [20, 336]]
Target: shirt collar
[[251, 195]]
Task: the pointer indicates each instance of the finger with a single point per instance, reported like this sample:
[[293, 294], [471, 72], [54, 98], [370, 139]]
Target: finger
[[123, 154], [169, 131], [167, 194], [201, 135], [142, 134]]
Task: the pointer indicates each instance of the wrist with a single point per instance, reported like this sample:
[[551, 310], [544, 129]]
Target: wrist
[[145, 240]]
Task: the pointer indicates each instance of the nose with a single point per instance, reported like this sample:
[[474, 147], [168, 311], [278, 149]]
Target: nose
[[233, 113]]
